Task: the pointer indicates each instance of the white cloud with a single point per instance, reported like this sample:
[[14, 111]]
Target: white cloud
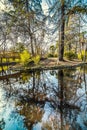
[[5, 5], [45, 7]]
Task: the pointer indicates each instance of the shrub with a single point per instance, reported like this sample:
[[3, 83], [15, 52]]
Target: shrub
[[25, 57], [27, 60], [3, 59], [17, 60], [50, 55], [56, 55], [70, 55], [82, 55], [36, 59]]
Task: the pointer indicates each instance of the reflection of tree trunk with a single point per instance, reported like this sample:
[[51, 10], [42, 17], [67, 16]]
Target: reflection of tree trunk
[[60, 78], [2, 66], [33, 82], [38, 80], [84, 77]]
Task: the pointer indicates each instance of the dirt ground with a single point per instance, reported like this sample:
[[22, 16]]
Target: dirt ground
[[54, 62], [50, 63]]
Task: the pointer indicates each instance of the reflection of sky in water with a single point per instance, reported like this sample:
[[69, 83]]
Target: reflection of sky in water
[[82, 102], [80, 120], [8, 116], [37, 126], [48, 111]]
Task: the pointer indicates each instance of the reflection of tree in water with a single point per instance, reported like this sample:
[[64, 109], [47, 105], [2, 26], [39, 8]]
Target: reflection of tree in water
[[37, 94], [61, 96], [67, 98], [33, 113], [33, 100]]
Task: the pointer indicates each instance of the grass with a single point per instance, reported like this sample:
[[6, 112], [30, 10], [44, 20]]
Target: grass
[[10, 60], [4, 68]]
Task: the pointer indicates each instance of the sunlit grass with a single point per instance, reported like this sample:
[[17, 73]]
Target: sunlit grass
[[17, 60], [4, 68], [3, 59], [10, 60]]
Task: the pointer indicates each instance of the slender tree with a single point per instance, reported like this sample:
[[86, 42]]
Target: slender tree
[[27, 16]]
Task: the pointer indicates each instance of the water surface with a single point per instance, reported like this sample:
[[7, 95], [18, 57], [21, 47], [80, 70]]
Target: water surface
[[44, 100]]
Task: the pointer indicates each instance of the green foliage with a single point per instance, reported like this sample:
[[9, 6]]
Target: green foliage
[[50, 55], [36, 59], [25, 57], [55, 55], [52, 49], [82, 55], [70, 55], [3, 59]]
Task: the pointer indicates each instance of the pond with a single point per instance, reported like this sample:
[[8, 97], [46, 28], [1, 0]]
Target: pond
[[44, 100]]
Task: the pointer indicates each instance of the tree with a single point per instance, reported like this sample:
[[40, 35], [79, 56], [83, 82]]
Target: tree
[[4, 32], [27, 19], [72, 34], [60, 10]]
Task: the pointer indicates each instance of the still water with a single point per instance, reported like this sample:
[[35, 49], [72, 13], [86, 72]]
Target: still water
[[44, 100]]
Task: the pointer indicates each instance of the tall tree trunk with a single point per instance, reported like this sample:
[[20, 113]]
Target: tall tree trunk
[[31, 43], [29, 22], [62, 29], [27, 7], [80, 40]]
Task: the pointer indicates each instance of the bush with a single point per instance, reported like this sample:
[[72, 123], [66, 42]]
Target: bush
[[17, 60], [27, 60], [50, 55], [82, 55], [56, 55], [70, 55], [36, 59], [25, 57]]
